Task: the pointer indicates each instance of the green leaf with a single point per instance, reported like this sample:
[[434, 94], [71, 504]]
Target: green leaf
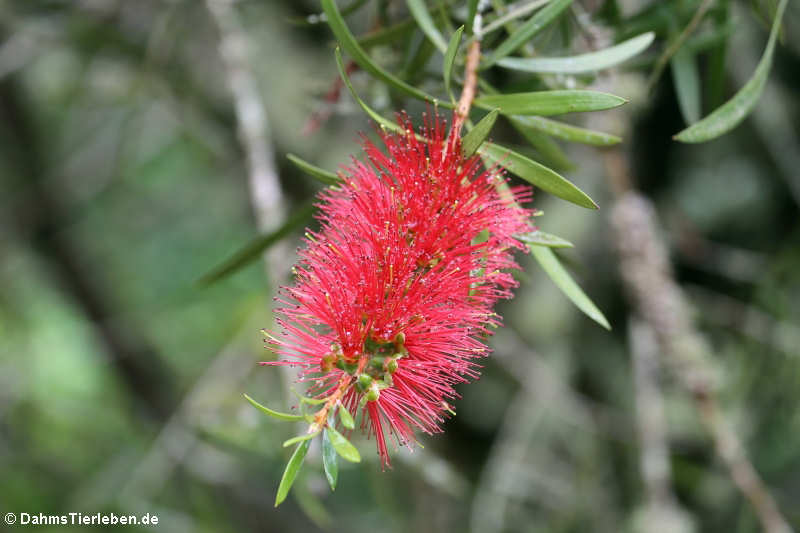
[[274, 414], [537, 174], [472, 9], [343, 446], [329, 460], [527, 30], [450, 56], [540, 238], [346, 418], [321, 174], [292, 468], [549, 102], [732, 112], [254, 248], [385, 122], [556, 272], [550, 152], [350, 44], [419, 11], [567, 131], [390, 34], [687, 84], [474, 139], [300, 438], [593, 61]]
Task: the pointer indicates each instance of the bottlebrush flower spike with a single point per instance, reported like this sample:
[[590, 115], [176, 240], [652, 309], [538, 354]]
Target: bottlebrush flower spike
[[395, 293]]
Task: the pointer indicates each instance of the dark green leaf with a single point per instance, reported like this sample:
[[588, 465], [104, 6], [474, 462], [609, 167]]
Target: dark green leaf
[[300, 438], [593, 61], [321, 174], [450, 56], [274, 414], [568, 132], [474, 139], [556, 272], [329, 460], [686, 80], [472, 8], [419, 11], [527, 30], [254, 248], [292, 468], [732, 112], [541, 238], [550, 152], [349, 43], [343, 446], [346, 418], [549, 102], [387, 35], [537, 174]]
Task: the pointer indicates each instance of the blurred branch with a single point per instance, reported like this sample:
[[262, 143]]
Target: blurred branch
[[39, 215], [265, 188], [648, 279], [673, 48], [662, 512]]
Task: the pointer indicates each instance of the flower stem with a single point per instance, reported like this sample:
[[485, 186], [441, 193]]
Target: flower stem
[[470, 83], [320, 419]]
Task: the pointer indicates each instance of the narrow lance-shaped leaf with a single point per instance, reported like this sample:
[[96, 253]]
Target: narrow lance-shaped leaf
[[343, 446], [300, 438], [292, 468], [556, 272], [537, 174], [567, 131], [346, 418], [732, 112], [390, 34], [540, 238], [420, 12], [550, 152], [350, 44], [330, 461], [314, 171], [273, 414], [546, 103], [450, 56], [527, 30], [474, 139], [472, 9], [254, 248], [686, 80], [593, 61]]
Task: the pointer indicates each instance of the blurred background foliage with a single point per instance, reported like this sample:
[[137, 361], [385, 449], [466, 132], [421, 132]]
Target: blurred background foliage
[[124, 182]]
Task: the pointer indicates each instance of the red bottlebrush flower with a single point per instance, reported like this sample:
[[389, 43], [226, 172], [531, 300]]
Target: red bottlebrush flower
[[395, 293]]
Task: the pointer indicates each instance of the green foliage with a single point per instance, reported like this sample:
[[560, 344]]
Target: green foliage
[[124, 176], [549, 102], [274, 414], [590, 62], [536, 174], [730, 114], [292, 469], [343, 446]]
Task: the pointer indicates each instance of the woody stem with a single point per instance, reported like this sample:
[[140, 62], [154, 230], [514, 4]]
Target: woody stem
[[470, 83], [347, 380]]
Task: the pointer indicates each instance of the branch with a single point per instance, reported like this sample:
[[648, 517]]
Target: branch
[[648, 279]]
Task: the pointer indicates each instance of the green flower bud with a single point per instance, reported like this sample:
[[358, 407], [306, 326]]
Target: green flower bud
[[373, 394], [364, 382]]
